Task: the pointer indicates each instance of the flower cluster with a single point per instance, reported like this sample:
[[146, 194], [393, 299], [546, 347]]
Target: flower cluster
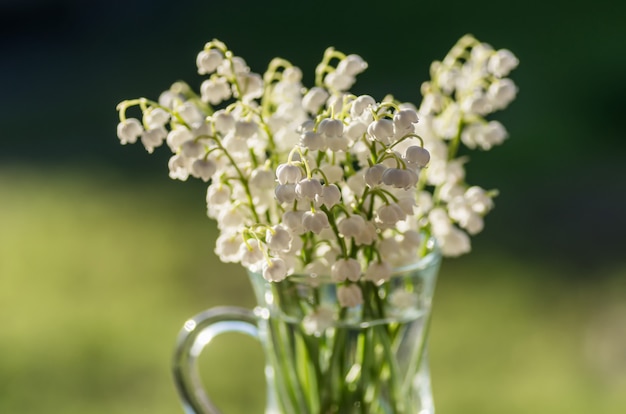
[[323, 182]]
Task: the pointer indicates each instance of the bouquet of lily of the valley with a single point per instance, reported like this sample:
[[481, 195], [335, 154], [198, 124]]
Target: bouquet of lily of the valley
[[321, 182]]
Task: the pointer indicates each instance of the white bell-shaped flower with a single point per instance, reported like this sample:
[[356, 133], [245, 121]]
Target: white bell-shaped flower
[[156, 118], [203, 168], [361, 104], [178, 167], [224, 121], [501, 93], [208, 61], [238, 64], [278, 239], [337, 144], [351, 226], [227, 247], [331, 127], [262, 178], [381, 131], [288, 173], [217, 194], [332, 173], [346, 269], [411, 240], [309, 188], [314, 99], [190, 113], [454, 243], [193, 149], [446, 124], [246, 128], [292, 74], [417, 155], [339, 81], [405, 120], [352, 65], [374, 175], [274, 269], [315, 221], [314, 141], [355, 130], [285, 193], [368, 235], [388, 215], [215, 90], [177, 137], [292, 219], [399, 178], [251, 86], [153, 138], [484, 136], [329, 197], [129, 130], [478, 199], [389, 249], [502, 63], [378, 272], [232, 217], [252, 256], [476, 103], [349, 296], [320, 320]]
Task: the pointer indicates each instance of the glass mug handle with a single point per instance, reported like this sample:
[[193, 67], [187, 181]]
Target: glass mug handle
[[197, 333]]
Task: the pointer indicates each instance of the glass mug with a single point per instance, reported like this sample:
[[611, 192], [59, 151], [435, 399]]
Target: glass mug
[[320, 357]]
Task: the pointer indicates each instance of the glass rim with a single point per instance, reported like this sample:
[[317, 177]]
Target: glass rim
[[432, 258]]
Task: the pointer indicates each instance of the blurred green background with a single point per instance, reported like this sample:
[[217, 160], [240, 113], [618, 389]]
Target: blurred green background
[[102, 257]]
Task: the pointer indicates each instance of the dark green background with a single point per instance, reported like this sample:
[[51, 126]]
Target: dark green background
[[65, 64], [558, 227]]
